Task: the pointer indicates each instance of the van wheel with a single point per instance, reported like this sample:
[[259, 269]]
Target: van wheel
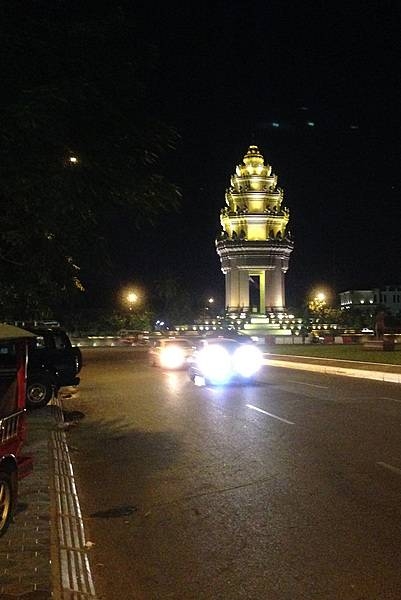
[[7, 501], [39, 391]]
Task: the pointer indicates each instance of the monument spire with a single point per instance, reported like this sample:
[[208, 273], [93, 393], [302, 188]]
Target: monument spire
[[255, 243]]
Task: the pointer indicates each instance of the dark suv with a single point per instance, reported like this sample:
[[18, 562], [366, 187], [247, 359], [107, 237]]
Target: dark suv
[[52, 363]]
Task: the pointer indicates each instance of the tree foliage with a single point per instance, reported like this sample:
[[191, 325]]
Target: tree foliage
[[174, 304], [74, 87]]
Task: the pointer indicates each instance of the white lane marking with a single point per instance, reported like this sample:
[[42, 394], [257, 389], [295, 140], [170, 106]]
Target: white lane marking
[[389, 467], [269, 414], [392, 399], [323, 387]]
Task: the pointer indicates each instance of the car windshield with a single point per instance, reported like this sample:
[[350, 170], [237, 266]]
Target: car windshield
[[229, 345], [61, 341]]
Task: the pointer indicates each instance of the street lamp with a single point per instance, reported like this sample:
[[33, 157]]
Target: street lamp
[[318, 302], [132, 298], [208, 305]]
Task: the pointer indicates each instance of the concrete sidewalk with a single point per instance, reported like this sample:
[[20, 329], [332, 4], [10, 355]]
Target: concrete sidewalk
[[43, 555], [25, 550]]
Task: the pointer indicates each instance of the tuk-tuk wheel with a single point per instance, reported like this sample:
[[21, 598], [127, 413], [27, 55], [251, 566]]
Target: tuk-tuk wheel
[[7, 501], [38, 392]]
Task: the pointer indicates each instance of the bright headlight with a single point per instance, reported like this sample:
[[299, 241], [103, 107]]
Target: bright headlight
[[172, 358], [247, 360], [215, 364]]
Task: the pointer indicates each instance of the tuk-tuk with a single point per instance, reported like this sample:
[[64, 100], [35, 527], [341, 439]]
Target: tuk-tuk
[[13, 464]]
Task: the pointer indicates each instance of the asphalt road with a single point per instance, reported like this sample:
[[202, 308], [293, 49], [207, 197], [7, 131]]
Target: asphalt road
[[288, 489]]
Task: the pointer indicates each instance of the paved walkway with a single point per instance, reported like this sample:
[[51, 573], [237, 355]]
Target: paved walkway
[[25, 550], [43, 555]]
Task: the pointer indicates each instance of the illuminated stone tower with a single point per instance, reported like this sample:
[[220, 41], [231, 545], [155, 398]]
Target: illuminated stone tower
[[255, 244]]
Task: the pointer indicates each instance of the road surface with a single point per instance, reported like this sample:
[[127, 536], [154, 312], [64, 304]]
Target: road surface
[[288, 489]]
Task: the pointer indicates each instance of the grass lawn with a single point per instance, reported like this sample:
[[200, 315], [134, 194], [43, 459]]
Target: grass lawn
[[338, 351]]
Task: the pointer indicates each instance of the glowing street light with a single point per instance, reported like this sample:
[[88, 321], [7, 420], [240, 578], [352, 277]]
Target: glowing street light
[[207, 307], [132, 297], [318, 302]]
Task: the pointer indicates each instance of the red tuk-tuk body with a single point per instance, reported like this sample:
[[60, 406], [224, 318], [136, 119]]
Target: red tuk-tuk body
[[13, 463]]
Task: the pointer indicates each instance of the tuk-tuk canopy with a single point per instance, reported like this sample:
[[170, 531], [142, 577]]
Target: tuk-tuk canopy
[[10, 332]]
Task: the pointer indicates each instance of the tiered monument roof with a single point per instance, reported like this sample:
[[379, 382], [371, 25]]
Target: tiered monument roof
[[254, 209]]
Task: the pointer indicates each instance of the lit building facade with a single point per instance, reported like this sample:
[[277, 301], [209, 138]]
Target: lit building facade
[[388, 297], [255, 244]]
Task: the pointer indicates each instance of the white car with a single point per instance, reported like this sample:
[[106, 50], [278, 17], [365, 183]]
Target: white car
[[170, 353], [219, 361]]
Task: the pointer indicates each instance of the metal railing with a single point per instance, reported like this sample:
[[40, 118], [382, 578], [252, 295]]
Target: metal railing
[[9, 427]]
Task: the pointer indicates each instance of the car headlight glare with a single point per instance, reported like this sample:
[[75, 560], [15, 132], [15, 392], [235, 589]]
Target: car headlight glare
[[247, 360], [215, 364], [172, 358]]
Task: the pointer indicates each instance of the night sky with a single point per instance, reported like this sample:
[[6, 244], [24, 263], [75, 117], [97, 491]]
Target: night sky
[[316, 85], [229, 73]]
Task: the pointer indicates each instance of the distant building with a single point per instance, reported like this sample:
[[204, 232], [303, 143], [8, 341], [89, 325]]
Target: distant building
[[388, 298]]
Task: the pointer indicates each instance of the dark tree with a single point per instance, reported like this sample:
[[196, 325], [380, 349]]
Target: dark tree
[[80, 149], [173, 302]]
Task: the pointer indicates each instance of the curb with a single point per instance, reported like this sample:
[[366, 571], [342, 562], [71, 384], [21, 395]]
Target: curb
[[385, 376], [71, 569]]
